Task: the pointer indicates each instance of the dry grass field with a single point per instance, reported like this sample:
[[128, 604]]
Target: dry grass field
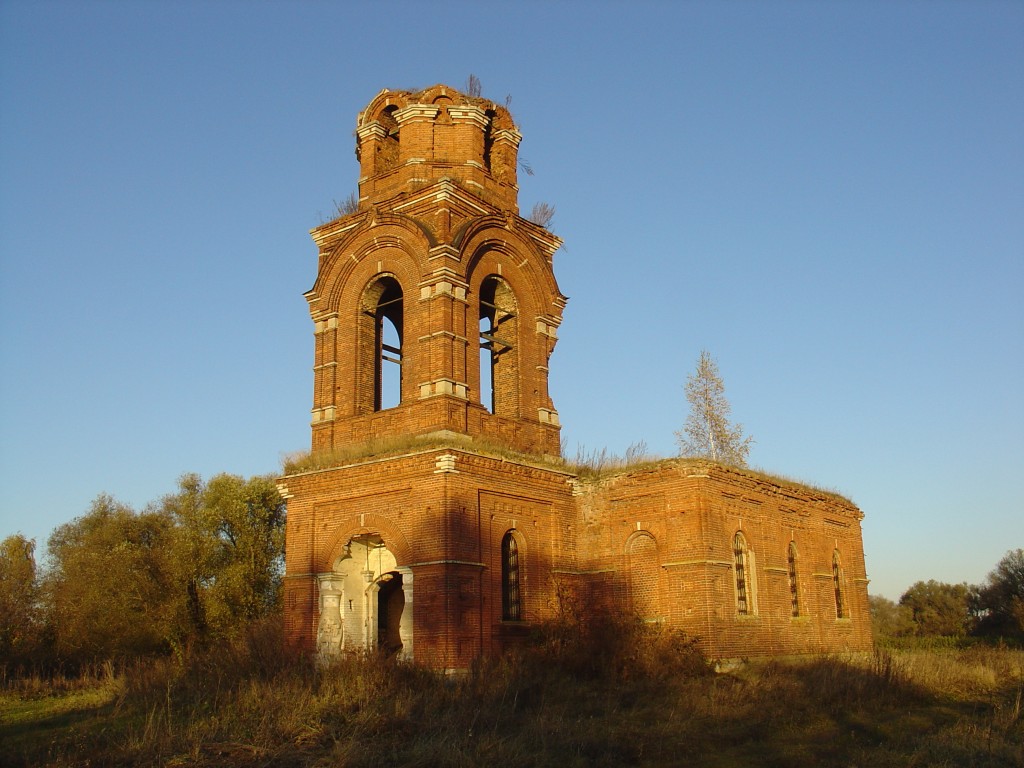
[[608, 696]]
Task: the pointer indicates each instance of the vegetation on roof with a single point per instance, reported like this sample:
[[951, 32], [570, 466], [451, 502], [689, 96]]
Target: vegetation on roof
[[593, 465]]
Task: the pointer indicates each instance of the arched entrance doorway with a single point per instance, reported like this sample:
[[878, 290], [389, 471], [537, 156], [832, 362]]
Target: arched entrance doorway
[[366, 601]]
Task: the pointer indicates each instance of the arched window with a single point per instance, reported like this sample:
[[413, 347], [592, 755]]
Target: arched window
[[745, 598], [381, 332], [643, 576], [499, 366], [488, 137], [837, 583], [387, 148], [794, 590], [511, 594]]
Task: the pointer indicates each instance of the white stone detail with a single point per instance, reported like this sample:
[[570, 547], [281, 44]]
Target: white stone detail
[[323, 414], [371, 130], [548, 416], [468, 114], [405, 624], [416, 112], [443, 387], [509, 135], [330, 630], [445, 464], [547, 329]]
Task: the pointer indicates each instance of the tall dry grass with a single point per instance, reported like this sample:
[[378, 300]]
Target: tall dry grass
[[605, 693]]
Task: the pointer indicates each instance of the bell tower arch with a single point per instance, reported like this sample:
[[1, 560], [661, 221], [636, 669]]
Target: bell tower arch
[[435, 305]]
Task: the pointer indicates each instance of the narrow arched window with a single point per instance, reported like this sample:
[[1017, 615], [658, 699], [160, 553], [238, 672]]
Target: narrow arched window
[[794, 590], [837, 583], [488, 138], [499, 367], [387, 148], [744, 585], [388, 378], [643, 576], [511, 593], [381, 334]]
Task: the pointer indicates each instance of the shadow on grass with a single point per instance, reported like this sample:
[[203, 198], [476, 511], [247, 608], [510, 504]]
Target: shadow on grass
[[610, 695]]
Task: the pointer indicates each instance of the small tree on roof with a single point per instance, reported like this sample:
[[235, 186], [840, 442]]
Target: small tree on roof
[[708, 432]]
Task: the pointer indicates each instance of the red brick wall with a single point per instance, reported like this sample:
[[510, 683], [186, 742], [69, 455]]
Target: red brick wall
[[692, 510], [445, 521], [655, 543]]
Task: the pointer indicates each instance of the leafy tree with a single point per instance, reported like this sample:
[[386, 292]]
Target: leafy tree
[[249, 516], [228, 553], [107, 584], [19, 600], [889, 619], [202, 563], [708, 432], [1000, 601], [193, 552], [938, 609]]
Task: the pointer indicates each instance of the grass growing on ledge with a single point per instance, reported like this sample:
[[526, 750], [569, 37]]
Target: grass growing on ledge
[[380, 448], [600, 464], [594, 465], [774, 477]]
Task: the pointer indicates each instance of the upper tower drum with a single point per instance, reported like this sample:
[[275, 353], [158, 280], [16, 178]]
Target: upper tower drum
[[405, 140]]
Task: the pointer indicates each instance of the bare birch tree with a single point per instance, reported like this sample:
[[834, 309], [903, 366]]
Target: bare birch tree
[[708, 432]]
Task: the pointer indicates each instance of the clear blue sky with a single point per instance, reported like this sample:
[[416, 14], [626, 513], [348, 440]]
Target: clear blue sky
[[827, 196]]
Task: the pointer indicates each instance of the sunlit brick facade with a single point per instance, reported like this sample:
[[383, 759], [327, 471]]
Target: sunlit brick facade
[[435, 314]]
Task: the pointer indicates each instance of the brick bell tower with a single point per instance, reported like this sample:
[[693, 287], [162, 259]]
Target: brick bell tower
[[435, 304], [435, 312]]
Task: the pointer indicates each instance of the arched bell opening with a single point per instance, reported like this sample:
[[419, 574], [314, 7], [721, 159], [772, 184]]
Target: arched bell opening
[[381, 331], [499, 348], [388, 146]]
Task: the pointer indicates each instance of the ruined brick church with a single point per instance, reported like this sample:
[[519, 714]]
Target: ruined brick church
[[436, 519]]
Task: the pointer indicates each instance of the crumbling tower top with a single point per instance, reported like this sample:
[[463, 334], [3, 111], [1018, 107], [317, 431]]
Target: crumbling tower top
[[408, 139]]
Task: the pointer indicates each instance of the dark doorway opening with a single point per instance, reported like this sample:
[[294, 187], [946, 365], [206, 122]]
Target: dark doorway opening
[[390, 604]]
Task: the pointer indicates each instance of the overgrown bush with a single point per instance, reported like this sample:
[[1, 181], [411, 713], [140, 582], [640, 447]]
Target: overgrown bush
[[615, 649]]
